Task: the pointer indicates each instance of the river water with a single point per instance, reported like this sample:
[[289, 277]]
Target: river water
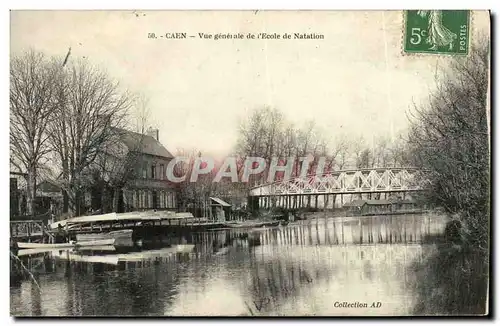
[[323, 267]]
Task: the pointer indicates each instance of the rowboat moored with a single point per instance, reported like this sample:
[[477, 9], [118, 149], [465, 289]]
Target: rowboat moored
[[121, 237], [31, 245]]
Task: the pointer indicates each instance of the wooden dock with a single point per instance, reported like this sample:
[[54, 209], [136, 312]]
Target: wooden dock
[[143, 224], [29, 230]]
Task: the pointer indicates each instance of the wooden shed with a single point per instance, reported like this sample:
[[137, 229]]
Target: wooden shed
[[220, 210], [380, 206], [355, 207]]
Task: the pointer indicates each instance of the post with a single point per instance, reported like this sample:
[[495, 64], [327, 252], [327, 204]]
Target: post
[[28, 228]]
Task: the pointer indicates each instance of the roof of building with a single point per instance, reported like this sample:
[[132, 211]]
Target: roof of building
[[146, 144], [355, 203], [378, 202], [48, 186], [402, 201], [407, 201], [220, 201]]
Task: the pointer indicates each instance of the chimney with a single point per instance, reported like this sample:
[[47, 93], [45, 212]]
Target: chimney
[[155, 133]]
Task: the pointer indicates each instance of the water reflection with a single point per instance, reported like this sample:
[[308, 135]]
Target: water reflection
[[303, 269]]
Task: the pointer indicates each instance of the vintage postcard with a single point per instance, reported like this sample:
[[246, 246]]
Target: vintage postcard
[[249, 163]]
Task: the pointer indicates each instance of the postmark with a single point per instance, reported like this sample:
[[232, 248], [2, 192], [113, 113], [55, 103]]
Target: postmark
[[437, 31]]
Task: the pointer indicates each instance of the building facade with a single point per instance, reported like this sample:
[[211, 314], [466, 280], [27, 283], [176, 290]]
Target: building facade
[[147, 187]]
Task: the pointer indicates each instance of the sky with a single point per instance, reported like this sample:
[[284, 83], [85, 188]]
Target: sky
[[354, 81]]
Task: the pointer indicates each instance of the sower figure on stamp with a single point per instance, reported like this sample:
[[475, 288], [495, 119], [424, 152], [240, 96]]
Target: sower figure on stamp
[[438, 34]]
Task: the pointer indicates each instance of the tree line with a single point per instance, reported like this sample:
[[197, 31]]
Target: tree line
[[266, 133]]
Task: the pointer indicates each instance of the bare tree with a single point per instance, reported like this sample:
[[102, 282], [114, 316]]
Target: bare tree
[[120, 160], [342, 151], [381, 152], [32, 103], [361, 153], [194, 195], [90, 107]]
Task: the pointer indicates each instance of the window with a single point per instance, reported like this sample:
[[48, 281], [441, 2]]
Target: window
[[170, 200], [162, 171], [153, 171], [144, 170], [146, 199]]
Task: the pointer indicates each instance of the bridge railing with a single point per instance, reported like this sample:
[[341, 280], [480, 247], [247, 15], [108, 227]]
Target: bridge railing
[[347, 181], [335, 173]]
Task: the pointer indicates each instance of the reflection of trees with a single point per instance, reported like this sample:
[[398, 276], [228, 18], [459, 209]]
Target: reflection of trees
[[444, 277], [140, 289], [364, 230], [36, 301], [278, 279]]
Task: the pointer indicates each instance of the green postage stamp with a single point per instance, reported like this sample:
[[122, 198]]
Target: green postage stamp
[[437, 31]]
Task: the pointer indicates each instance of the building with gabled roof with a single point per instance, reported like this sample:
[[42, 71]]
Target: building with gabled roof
[[138, 162]]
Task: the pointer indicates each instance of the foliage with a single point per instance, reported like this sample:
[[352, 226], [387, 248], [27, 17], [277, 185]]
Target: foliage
[[450, 138]]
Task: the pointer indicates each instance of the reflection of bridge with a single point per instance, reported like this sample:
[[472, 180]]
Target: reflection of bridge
[[361, 181]]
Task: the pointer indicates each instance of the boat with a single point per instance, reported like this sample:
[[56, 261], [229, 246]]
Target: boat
[[105, 259], [34, 245], [156, 253], [121, 237], [96, 248], [239, 225], [35, 251]]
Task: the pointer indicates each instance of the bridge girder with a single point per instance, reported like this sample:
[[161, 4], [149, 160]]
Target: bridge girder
[[377, 180]]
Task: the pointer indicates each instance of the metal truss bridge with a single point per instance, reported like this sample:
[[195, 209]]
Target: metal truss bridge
[[360, 181]]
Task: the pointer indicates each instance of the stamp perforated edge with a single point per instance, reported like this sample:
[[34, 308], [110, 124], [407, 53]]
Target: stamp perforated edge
[[426, 54]]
